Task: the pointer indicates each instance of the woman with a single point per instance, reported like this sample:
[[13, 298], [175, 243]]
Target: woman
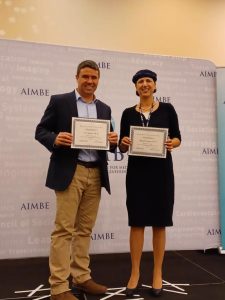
[[149, 180]]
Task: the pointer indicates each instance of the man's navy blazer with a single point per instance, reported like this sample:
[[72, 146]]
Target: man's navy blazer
[[63, 161]]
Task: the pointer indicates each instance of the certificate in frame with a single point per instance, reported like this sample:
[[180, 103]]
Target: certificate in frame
[[90, 133], [148, 141]]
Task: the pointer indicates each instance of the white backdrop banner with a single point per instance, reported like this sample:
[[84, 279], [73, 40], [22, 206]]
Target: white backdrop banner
[[30, 73]]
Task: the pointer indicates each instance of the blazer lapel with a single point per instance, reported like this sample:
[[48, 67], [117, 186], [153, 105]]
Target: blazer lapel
[[72, 101], [100, 112]]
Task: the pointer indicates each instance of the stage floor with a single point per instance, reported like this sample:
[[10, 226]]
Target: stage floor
[[190, 275]]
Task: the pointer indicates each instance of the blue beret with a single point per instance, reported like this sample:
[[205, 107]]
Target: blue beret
[[144, 73]]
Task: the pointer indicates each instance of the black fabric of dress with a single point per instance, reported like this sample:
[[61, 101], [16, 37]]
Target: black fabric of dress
[[150, 181]]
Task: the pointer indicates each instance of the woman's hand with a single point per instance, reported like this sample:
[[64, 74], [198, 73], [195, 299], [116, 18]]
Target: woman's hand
[[169, 145], [124, 144], [172, 143]]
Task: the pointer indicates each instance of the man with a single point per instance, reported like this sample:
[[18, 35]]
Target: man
[[77, 177]]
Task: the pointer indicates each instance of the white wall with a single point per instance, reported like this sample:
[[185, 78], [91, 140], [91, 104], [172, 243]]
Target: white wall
[[189, 28]]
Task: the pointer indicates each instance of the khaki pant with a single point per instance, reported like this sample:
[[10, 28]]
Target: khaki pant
[[76, 212]]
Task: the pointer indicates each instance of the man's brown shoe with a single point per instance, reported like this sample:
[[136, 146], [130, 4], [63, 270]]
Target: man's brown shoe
[[90, 287], [64, 296]]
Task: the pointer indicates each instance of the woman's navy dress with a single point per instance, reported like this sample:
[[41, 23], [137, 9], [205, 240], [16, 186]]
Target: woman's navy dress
[[150, 181]]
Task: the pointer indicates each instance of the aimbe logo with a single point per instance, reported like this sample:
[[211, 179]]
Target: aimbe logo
[[34, 92], [103, 236], [104, 65], [214, 231], [210, 151], [164, 99], [207, 74], [35, 206]]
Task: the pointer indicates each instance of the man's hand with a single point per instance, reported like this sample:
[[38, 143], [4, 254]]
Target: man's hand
[[63, 139], [113, 138]]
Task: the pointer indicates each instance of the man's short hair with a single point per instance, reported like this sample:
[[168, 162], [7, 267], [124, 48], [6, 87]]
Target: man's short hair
[[88, 64]]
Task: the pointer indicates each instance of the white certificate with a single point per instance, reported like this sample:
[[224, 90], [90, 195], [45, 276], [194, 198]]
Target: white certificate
[[90, 133], [148, 141]]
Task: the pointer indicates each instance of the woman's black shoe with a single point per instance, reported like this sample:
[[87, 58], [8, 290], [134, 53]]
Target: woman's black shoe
[[130, 292], [156, 292]]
